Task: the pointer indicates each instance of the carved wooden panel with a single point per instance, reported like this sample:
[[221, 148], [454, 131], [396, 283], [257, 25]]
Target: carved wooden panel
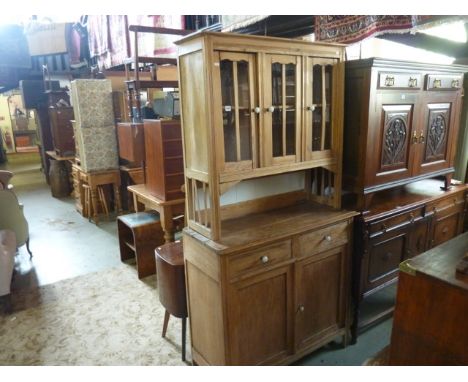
[[395, 136], [438, 122]]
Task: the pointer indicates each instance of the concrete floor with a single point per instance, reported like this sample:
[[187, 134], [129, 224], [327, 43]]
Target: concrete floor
[[66, 245]]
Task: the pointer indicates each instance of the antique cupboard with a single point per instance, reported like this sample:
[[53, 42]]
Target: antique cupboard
[[401, 128], [267, 250], [403, 118]]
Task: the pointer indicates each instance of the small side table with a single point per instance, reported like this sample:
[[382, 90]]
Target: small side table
[[139, 234]]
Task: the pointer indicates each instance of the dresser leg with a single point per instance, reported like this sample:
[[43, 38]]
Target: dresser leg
[[166, 321]]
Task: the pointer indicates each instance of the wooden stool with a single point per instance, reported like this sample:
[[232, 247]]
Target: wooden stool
[[171, 285], [139, 234], [87, 208]]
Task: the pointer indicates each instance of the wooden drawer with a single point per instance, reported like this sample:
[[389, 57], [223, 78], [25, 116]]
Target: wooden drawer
[[446, 229], [395, 221], [389, 80], [322, 240], [260, 259], [443, 82], [447, 206]]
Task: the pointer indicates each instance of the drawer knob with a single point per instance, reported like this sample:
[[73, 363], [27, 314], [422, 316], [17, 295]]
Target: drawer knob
[[328, 238], [310, 108], [264, 259], [271, 109], [301, 308], [455, 83], [256, 110], [411, 216], [445, 230], [384, 227], [227, 108], [437, 83], [412, 82], [389, 81]]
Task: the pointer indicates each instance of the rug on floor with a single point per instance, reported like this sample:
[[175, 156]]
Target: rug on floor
[[103, 318]]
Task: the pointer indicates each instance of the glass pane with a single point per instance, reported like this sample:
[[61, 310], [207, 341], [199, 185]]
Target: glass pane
[[317, 85], [317, 129], [229, 123], [277, 115], [328, 109], [244, 110], [290, 109]]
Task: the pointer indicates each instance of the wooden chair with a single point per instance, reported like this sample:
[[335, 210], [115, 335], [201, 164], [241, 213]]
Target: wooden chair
[[171, 285]]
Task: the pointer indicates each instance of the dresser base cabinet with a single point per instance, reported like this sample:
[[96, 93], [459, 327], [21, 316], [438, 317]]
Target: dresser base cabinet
[[402, 223], [269, 300]]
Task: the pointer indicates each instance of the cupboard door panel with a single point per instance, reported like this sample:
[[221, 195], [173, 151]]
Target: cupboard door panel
[[282, 117], [320, 75], [320, 300], [260, 317], [394, 138], [436, 134], [234, 80]]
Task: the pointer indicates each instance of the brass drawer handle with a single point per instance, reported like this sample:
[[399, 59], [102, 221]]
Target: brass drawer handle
[[421, 137], [455, 83], [264, 259], [412, 82], [411, 216], [384, 227], [328, 238], [415, 137], [389, 81], [437, 84]]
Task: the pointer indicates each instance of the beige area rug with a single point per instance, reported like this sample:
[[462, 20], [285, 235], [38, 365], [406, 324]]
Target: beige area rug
[[104, 318]]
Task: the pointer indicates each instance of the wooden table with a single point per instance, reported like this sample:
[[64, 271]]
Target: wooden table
[[167, 209], [430, 320]]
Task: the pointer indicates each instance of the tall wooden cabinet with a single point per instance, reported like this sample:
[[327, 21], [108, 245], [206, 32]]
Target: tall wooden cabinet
[[403, 118], [268, 277]]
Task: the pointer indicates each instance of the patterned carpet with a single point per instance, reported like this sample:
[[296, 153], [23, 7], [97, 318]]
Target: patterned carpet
[[103, 318]]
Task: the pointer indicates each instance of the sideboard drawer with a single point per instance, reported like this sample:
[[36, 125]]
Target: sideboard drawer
[[260, 259], [447, 206], [323, 239], [396, 221], [399, 80]]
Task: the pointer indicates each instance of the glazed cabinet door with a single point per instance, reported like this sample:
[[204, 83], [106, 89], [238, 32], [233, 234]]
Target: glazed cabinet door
[[320, 296], [235, 110], [260, 317], [392, 138], [436, 132], [320, 79], [280, 140]]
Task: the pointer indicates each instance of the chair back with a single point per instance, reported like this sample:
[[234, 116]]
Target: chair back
[[12, 216], [5, 177]]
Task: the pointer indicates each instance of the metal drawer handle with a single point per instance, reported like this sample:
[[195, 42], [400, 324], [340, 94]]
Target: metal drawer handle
[[437, 84], [455, 83], [384, 227], [227, 108], [256, 110], [301, 308], [411, 216], [328, 238], [415, 137], [264, 259], [271, 109], [310, 108], [421, 137], [412, 82], [389, 81], [445, 230]]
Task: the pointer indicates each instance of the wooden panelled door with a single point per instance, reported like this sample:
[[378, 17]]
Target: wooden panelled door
[[394, 136], [235, 109], [282, 117], [319, 81], [435, 133]]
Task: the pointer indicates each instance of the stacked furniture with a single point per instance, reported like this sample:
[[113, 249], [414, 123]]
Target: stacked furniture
[[96, 141], [401, 125], [267, 249]]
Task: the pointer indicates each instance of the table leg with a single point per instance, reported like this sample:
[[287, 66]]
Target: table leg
[[167, 224], [135, 202], [95, 204]]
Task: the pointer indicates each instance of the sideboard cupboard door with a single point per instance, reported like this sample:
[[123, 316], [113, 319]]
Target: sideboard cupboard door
[[436, 132], [260, 317], [320, 78], [320, 301], [236, 106], [282, 104], [393, 153]]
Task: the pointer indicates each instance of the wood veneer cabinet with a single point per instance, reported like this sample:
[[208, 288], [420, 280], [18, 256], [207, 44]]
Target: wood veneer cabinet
[[254, 106], [164, 158], [401, 223], [401, 124], [274, 288], [62, 130]]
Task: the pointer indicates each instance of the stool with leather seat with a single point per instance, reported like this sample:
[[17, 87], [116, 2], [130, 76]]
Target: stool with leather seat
[[171, 285]]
